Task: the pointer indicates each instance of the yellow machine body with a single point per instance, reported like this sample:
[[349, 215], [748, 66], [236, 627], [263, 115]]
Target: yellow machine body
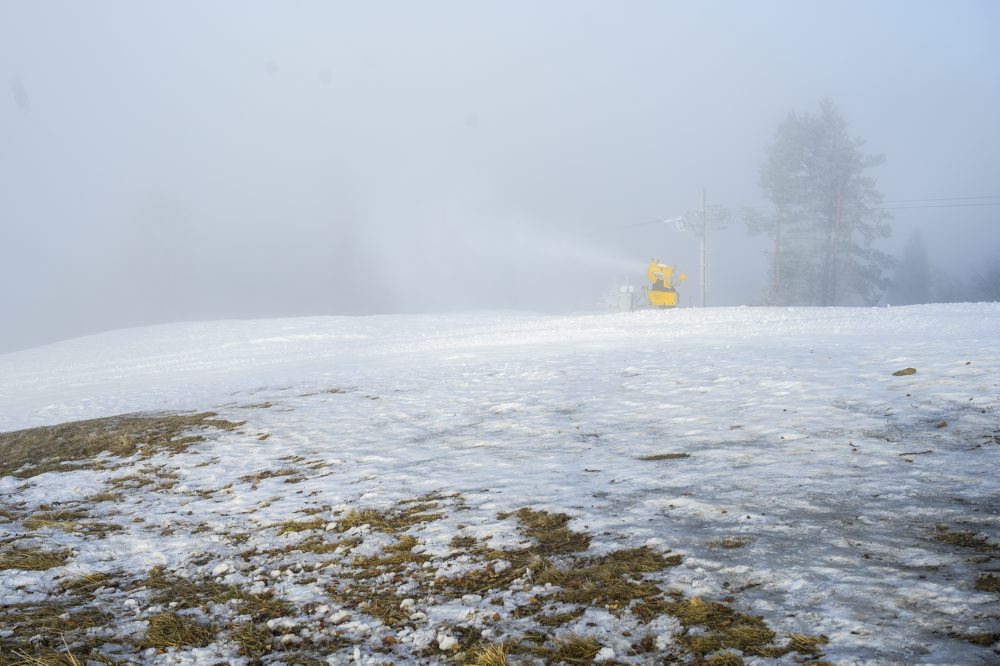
[[661, 293]]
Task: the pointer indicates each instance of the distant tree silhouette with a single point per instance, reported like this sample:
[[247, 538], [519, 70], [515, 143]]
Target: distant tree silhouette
[[826, 214], [912, 283]]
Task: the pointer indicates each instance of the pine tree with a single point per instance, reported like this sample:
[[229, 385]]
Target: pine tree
[[987, 281], [912, 283], [826, 214]]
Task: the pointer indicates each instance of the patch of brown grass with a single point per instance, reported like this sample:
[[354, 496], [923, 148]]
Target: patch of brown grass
[[320, 546], [269, 474], [574, 649], [559, 619], [30, 559], [550, 531], [130, 482], [86, 584], [725, 658], [34, 451], [666, 456], [293, 526], [197, 593], [397, 558], [728, 542], [393, 520], [42, 633], [62, 519], [806, 644], [963, 539], [172, 630], [724, 628], [612, 581], [255, 640], [982, 640], [40, 655], [488, 654], [382, 605], [988, 583], [106, 496], [463, 543]]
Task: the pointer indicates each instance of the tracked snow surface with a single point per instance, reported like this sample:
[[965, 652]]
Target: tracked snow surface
[[800, 486]]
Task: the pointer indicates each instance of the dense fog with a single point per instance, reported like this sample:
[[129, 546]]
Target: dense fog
[[177, 161]]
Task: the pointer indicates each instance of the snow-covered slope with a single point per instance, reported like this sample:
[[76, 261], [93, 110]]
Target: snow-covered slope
[[818, 489]]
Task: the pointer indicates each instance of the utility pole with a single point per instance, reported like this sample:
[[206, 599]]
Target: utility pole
[[708, 218], [705, 227]]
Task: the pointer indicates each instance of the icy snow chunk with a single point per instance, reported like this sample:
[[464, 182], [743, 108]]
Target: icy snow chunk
[[471, 599], [605, 654], [221, 569], [446, 642], [501, 565], [338, 617], [507, 407], [285, 623], [407, 603]]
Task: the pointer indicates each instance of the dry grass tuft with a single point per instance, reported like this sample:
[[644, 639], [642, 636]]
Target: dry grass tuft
[[293, 526], [666, 456], [729, 542], [982, 640], [41, 633], [198, 593], [463, 543], [806, 644], [106, 496], [320, 546], [270, 474], [254, 639], [86, 584], [39, 656], [988, 583], [380, 604], [611, 581], [725, 658], [964, 539], [394, 520], [559, 619], [171, 630], [724, 628], [34, 451], [63, 519], [29, 559], [398, 559], [550, 531], [574, 649], [490, 654]]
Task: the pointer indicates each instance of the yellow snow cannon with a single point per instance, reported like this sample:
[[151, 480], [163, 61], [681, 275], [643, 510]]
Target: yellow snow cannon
[[662, 293]]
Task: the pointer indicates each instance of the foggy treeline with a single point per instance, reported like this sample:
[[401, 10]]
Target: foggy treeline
[[827, 218], [917, 281]]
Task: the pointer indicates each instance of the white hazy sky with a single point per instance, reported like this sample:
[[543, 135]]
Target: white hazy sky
[[164, 161]]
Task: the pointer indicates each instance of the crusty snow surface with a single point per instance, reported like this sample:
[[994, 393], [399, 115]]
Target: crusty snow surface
[[801, 440]]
